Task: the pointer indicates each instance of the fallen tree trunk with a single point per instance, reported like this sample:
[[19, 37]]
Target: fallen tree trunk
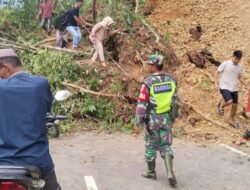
[[16, 47], [74, 52], [4, 43], [129, 98], [7, 35], [89, 91], [61, 49], [45, 41]]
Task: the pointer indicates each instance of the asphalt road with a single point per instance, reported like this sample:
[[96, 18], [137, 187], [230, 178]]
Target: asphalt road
[[114, 162]]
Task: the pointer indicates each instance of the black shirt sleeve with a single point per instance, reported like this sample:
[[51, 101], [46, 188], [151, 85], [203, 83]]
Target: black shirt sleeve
[[75, 12], [71, 21]]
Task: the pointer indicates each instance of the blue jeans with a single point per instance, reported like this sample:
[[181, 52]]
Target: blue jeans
[[76, 33]]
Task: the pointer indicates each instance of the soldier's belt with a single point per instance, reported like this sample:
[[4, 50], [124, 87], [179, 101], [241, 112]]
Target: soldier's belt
[[155, 113]]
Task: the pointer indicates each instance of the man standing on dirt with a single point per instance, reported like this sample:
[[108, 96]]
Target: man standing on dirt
[[74, 23], [157, 109], [45, 12], [231, 72], [25, 100]]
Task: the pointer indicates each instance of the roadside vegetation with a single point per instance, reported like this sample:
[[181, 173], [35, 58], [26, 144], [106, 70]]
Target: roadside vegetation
[[19, 25]]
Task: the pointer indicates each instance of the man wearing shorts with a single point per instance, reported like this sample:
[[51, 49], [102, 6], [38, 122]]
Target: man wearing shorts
[[231, 72]]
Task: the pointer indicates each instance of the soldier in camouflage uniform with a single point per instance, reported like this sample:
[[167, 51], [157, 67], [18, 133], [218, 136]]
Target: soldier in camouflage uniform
[[157, 109]]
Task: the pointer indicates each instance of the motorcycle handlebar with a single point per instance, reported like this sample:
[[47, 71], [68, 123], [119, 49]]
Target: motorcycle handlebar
[[61, 117], [57, 117]]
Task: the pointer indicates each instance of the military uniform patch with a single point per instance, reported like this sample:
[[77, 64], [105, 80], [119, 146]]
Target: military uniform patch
[[161, 88], [144, 94]]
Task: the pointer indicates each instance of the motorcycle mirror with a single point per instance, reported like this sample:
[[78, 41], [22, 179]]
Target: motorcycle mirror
[[62, 95]]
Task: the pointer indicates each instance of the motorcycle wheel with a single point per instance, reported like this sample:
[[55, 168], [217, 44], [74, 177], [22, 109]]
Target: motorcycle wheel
[[53, 131]]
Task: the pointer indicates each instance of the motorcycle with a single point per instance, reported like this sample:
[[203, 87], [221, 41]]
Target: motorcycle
[[29, 177], [52, 120], [20, 178]]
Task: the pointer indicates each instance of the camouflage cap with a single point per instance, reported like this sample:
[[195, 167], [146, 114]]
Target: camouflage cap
[[7, 53], [155, 60]]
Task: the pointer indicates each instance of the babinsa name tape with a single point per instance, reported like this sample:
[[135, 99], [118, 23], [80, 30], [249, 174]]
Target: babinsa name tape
[[162, 88]]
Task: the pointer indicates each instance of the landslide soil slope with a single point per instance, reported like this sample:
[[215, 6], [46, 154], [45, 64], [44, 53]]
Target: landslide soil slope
[[226, 28]]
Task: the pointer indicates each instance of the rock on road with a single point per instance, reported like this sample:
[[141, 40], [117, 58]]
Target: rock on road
[[115, 161]]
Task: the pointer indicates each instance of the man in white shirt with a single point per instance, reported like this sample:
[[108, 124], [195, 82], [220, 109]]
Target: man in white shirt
[[231, 72]]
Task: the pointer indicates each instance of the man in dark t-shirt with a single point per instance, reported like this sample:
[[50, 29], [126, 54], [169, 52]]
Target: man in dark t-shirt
[[25, 100], [61, 38], [74, 23]]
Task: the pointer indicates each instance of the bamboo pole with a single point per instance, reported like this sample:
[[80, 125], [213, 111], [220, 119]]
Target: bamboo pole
[[119, 66]]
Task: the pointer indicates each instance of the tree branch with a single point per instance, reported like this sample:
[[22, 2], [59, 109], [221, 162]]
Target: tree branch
[[119, 66], [203, 115], [89, 91], [60, 49], [129, 98], [136, 6], [4, 43], [45, 41]]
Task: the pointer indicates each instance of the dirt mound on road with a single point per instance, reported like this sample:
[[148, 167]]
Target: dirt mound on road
[[225, 28]]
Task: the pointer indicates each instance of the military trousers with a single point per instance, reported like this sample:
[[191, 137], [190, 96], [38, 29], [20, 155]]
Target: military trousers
[[158, 137]]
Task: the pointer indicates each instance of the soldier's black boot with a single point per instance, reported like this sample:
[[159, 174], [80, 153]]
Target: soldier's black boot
[[150, 173], [169, 168]]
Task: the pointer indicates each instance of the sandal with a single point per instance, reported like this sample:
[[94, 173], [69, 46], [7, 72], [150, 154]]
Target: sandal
[[234, 125], [247, 135], [220, 110]]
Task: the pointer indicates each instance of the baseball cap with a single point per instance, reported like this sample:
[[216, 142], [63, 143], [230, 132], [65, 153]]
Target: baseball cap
[[155, 60], [7, 53]]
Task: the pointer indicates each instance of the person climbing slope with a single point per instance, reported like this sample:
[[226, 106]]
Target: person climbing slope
[[98, 33]]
